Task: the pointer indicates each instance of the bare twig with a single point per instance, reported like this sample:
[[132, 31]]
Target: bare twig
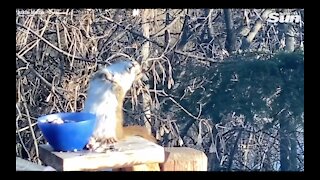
[[58, 49], [30, 124], [25, 128], [133, 32], [46, 41], [187, 112], [41, 77], [18, 132], [196, 57], [116, 55]]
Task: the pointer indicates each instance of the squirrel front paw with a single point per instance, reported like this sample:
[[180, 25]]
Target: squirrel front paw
[[101, 144]]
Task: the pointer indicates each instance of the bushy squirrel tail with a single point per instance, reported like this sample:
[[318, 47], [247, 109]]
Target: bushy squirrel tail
[[138, 131]]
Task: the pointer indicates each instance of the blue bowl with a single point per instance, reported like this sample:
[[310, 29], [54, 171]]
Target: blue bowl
[[71, 135]]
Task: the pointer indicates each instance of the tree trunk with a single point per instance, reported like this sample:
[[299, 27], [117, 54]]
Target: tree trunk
[[290, 41], [293, 153], [145, 52], [231, 37], [184, 32], [288, 32], [166, 33], [288, 145], [284, 146]]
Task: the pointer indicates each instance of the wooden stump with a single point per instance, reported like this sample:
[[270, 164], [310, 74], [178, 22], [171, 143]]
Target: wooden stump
[[184, 159], [141, 167]]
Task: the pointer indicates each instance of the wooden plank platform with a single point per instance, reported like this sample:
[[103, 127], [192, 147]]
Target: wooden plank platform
[[133, 151]]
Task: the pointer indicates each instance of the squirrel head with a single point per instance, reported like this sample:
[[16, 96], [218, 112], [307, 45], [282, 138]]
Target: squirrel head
[[123, 73]]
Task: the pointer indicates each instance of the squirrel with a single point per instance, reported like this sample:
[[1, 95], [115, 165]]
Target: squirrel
[[105, 98]]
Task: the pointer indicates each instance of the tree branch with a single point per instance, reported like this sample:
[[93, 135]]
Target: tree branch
[[168, 26], [246, 41], [233, 151], [133, 32], [58, 49], [196, 57]]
